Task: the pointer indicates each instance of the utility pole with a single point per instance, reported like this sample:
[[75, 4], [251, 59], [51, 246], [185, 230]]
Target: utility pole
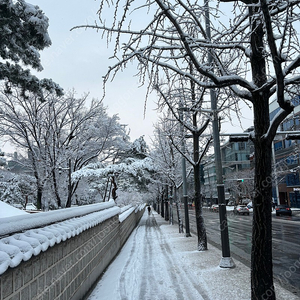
[[226, 260]]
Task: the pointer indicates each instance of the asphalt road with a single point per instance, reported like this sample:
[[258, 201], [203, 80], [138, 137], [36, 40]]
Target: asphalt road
[[286, 243]]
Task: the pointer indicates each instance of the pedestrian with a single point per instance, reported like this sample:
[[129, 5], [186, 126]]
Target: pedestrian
[[149, 210]]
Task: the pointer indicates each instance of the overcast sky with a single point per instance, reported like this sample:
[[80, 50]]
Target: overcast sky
[[78, 59]]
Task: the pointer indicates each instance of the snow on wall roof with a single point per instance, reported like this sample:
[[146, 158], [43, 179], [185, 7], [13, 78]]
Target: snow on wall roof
[[22, 246], [140, 207], [7, 210], [128, 209], [125, 214], [124, 208], [20, 223]]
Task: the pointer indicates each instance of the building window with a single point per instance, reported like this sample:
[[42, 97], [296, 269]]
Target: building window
[[242, 146], [291, 160], [288, 143], [278, 145], [292, 179]]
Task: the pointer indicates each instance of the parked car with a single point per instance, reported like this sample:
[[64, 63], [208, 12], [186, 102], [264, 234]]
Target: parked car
[[30, 206], [283, 210], [241, 210], [250, 205], [214, 208], [245, 201]]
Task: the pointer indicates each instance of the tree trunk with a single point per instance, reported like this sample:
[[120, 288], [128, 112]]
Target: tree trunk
[[70, 186], [167, 204], [106, 188], [55, 187], [201, 231], [262, 286], [39, 197], [180, 223], [261, 254], [171, 204], [162, 213]]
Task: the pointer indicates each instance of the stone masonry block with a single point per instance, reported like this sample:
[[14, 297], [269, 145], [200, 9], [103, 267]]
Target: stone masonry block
[[41, 283], [15, 297], [49, 277], [7, 283], [25, 293], [34, 289], [49, 258], [27, 271], [18, 278], [36, 266]]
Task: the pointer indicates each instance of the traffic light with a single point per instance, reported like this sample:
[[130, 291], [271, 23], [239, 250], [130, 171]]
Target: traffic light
[[240, 180]]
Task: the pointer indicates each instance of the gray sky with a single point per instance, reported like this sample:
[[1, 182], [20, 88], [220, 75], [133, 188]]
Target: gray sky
[[78, 59]]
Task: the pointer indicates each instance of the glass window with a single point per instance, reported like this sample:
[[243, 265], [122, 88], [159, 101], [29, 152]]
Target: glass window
[[277, 145], [242, 145]]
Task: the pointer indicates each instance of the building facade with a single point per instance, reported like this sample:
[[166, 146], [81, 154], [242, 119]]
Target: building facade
[[236, 165], [286, 188]]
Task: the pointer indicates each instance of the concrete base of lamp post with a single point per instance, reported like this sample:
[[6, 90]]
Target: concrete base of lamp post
[[226, 262]]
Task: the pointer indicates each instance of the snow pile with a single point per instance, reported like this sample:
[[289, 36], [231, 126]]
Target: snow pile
[[128, 209], [22, 246], [20, 223], [140, 207], [7, 210], [124, 208], [124, 215]]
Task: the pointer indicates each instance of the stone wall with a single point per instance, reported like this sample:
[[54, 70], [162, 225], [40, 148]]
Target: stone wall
[[69, 269]]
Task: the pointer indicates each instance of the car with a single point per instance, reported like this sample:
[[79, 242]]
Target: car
[[245, 201], [250, 205], [214, 208], [283, 210], [241, 210], [30, 206]]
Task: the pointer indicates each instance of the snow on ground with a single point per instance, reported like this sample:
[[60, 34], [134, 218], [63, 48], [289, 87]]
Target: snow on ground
[[7, 210], [158, 263]]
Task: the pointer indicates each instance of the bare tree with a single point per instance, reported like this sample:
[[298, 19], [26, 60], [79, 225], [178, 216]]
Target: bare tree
[[166, 158], [60, 136], [254, 56], [189, 99]]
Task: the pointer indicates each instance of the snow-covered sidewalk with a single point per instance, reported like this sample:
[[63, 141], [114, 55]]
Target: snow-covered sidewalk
[[159, 263]]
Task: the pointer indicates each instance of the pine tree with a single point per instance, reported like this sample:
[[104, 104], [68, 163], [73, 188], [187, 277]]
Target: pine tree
[[23, 34]]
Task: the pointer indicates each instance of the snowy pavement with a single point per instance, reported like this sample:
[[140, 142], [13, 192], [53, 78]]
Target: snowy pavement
[[159, 263]]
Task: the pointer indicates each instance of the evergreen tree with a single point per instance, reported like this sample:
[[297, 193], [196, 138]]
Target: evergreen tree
[[23, 34]]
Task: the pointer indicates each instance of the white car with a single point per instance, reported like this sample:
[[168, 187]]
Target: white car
[[249, 205], [30, 206]]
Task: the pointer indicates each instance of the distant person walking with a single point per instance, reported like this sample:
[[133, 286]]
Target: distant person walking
[[149, 210]]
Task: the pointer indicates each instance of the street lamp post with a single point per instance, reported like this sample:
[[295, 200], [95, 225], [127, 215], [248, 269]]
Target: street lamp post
[[226, 260]]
